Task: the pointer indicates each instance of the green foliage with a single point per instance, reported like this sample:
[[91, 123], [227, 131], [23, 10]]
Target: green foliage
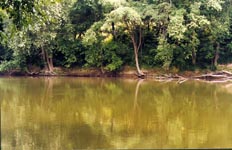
[[69, 53], [8, 66], [84, 13], [112, 60], [164, 53], [103, 33], [104, 56], [176, 28], [19, 10]]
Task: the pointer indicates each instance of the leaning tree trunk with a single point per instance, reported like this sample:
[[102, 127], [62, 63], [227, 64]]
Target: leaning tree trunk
[[140, 73], [137, 46]]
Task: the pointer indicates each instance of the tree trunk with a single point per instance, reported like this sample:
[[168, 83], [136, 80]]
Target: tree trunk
[[113, 30], [137, 45], [44, 59], [136, 49], [51, 64], [194, 56], [216, 56], [48, 61]]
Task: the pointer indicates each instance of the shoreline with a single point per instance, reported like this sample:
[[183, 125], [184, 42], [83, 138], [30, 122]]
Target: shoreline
[[222, 75]]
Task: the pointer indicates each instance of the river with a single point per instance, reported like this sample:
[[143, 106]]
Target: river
[[64, 113]]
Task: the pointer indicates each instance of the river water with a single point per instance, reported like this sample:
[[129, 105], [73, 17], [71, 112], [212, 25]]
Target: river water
[[80, 113]]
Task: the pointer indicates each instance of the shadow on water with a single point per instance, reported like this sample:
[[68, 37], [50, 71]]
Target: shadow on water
[[80, 113]]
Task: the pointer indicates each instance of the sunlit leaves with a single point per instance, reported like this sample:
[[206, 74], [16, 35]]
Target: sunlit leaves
[[125, 15], [150, 12], [215, 4], [176, 28], [90, 37], [114, 3], [197, 21]]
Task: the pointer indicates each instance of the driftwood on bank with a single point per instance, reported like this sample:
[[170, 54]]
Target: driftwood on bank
[[219, 76], [170, 77], [216, 76]]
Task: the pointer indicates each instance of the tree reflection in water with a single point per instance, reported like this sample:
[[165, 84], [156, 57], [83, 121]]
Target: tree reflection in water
[[72, 113]]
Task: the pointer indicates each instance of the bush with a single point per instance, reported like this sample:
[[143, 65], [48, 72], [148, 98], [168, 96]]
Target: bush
[[6, 66]]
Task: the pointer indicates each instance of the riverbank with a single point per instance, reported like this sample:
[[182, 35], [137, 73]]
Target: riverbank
[[224, 72]]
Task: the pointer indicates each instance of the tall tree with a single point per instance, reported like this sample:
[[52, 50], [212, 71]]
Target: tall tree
[[129, 21]]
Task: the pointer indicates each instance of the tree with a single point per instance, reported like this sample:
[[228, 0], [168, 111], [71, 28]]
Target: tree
[[38, 37], [194, 22], [128, 20], [213, 10]]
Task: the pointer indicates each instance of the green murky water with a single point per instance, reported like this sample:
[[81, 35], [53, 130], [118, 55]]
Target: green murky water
[[77, 113]]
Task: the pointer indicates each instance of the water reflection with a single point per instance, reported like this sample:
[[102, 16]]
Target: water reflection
[[74, 113]]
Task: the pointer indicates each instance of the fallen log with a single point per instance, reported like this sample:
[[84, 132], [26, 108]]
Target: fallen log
[[223, 72], [166, 77], [221, 75]]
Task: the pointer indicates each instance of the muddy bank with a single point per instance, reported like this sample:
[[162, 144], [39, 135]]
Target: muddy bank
[[156, 74]]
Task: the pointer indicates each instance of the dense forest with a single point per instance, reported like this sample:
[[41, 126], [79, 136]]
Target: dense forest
[[111, 34]]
